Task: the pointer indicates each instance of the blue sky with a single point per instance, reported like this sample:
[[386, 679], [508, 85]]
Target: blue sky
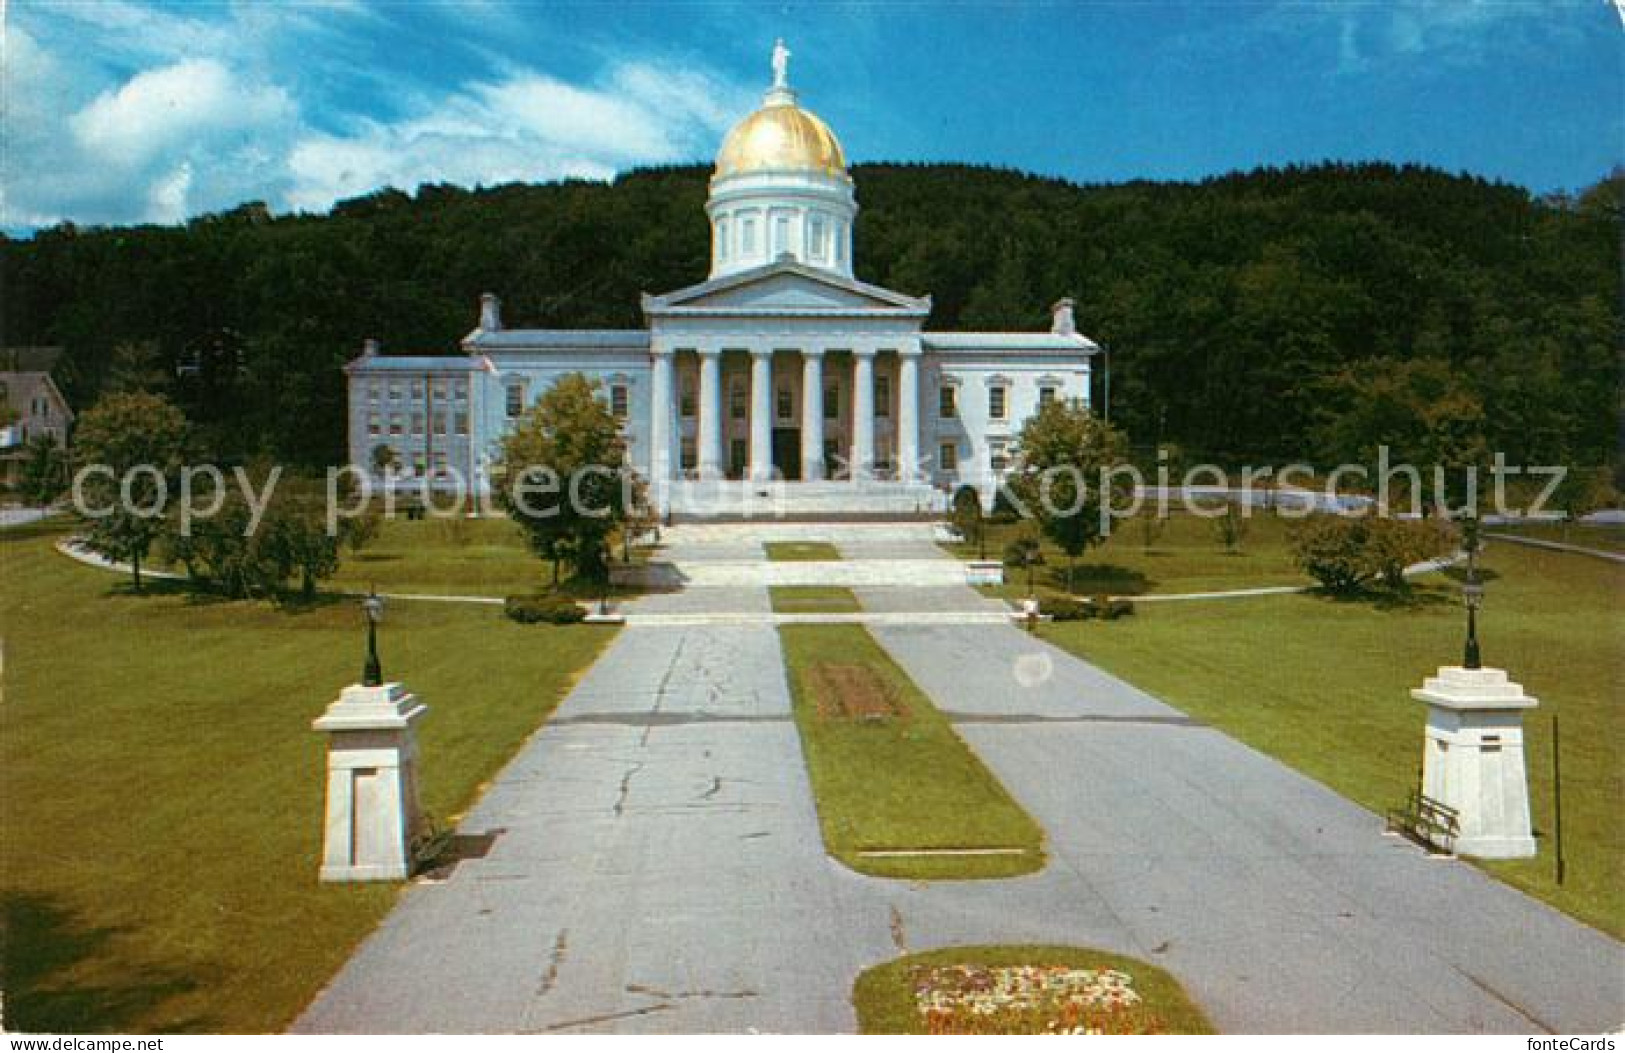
[[120, 111]]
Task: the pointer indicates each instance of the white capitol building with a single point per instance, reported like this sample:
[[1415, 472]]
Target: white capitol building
[[780, 381]]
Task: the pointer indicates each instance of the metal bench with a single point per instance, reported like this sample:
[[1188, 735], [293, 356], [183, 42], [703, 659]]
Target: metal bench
[[1429, 823]]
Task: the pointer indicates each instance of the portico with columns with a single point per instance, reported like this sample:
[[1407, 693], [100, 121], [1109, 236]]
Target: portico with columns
[[781, 371]]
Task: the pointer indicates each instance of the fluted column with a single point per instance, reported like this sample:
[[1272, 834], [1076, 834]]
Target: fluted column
[[710, 413], [908, 414], [863, 412], [812, 414], [761, 414], [660, 415]]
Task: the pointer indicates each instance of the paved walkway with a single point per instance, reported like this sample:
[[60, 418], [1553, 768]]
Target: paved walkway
[[656, 862], [1558, 546], [657, 867]]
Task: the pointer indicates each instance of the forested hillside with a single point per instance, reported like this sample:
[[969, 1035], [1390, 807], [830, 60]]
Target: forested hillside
[[1304, 312]]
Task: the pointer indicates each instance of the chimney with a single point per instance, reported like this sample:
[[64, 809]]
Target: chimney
[[1064, 324], [490, 313], [369, 348]]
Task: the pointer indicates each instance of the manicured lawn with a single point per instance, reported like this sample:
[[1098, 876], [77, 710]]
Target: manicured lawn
[[1607, 537], [449, 556], [812, 599], [1186, 557], [800, 551], [885, 998], [161, 790], [888, 771], [1324, 685]]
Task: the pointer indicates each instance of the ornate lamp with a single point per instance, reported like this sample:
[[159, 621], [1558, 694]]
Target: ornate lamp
[[372, 675], [1472, 592]]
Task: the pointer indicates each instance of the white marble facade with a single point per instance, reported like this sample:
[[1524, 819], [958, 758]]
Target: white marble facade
[[780, 365]]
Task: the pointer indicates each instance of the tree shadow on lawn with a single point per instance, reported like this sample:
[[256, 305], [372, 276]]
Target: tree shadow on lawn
[[1409, 598], [41, 946], [1090, 578]]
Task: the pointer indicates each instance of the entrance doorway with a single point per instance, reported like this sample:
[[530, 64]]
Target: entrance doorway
[[787, 453]]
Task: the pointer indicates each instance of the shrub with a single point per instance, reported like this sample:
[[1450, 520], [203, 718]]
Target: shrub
[[1346, 553], [1112, 610], [1066, 609], [533, 610]]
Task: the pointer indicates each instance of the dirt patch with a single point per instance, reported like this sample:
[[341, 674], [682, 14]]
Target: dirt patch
[[854, 692]]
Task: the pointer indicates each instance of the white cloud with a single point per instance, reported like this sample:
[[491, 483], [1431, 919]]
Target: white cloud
[[116, 112], [157, 110], [526, 127]]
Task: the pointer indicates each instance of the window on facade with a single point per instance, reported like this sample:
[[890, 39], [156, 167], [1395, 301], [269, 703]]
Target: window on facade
[[736, 457], [882, 396], [816, 237], [459, 390], [417, 464], [948, 457], [417, 424], [375, 424], [999, 458], [686, 407], [947, 402], [747, 236], [995, 402], [688, 459], [1046, 395], [439, 389], [618, 400], [832, 402], [374, 392], [397, 424], [840, 244], [462, 423], [439, 461], [736, 400], [722, 239], [417, 389], [781, 235], [516, 398], [395, 390], [440, 424], [786, 406]]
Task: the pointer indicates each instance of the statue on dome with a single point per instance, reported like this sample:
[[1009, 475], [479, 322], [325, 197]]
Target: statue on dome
[[781, 64]]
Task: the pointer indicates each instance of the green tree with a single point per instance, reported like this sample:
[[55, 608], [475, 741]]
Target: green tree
[[128, 449], [967, 517], [562, 476], [1064, 454], [44, 474]]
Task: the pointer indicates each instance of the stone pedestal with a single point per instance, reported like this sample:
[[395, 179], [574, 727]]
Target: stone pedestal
[[372, 799], [1473, 761]]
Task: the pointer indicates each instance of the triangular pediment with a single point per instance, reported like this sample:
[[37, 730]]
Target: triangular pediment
[[785, 287]]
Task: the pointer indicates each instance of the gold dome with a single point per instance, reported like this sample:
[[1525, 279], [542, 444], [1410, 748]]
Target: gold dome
[[780, 136]]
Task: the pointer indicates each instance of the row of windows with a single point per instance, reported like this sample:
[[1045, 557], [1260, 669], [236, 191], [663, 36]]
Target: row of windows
[[456, 390], [998, 400], [414, 423], [620, 399], [816, 234]]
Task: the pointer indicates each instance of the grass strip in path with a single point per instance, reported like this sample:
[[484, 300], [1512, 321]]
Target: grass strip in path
[[161, 789], [812, 599], [801, 551], [888, 997], [889, 773]]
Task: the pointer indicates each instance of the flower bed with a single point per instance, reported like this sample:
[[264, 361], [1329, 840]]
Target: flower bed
[[1028, 1000]]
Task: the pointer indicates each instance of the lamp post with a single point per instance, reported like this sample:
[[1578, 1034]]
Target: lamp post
[[372, 674], [1472, 592]]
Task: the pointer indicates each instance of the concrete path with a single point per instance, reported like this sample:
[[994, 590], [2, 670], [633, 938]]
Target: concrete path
[[656, 867], [1559, 546], [1280, 905]]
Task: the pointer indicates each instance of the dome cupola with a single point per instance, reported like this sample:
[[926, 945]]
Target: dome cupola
[[780, 188]]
